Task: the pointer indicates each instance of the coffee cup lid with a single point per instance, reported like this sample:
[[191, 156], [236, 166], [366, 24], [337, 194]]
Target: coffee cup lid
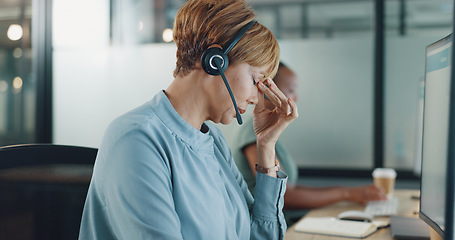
[[385, 173]]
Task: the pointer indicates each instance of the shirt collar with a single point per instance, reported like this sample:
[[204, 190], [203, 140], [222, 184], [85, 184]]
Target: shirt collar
[[182, 129]]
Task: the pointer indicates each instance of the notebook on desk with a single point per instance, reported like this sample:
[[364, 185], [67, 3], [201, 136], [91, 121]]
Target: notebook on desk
[[335, 227]]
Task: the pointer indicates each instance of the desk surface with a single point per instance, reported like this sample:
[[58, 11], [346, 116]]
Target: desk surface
[[408, 207]]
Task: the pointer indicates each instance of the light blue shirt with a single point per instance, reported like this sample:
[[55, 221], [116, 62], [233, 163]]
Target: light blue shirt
[[157, 177]]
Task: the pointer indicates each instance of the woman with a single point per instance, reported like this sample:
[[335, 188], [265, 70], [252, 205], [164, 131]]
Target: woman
[[162, 172], [297, 196]]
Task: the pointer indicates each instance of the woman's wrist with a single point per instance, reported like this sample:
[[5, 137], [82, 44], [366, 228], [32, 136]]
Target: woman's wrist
[[267, 160], [265, 145], [264, 170], [266, 156]]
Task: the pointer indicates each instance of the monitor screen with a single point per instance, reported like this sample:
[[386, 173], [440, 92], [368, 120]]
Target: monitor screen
[[435, 134]]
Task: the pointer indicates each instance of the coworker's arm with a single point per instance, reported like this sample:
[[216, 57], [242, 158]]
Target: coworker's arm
[[298, 197], [302, 197]]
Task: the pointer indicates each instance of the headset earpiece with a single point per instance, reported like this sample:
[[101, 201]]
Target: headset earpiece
[[207, 61], [214, 61]]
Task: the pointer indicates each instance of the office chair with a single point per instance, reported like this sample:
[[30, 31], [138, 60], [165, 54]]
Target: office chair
[[37, 154], [43, 189]]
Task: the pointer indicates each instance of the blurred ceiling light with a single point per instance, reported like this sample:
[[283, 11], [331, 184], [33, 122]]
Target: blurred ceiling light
[[3, 86], [167, 35], [14, 32], [17, 52], [140, 25], [17, 83]]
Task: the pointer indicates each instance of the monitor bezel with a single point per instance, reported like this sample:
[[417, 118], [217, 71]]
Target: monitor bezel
[[450, 185]]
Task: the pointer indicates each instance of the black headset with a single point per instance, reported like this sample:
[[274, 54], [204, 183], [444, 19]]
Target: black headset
[[214, 61]]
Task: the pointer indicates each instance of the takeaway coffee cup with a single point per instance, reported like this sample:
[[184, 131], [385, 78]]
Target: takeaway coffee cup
[[385, 178]]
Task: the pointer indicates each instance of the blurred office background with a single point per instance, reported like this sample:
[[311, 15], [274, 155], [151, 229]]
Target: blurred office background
[[67, 68]]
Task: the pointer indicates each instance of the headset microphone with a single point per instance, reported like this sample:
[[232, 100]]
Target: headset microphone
[[237, 113], [214, 61]]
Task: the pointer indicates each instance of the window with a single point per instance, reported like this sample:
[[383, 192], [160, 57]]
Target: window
[[17, 81]]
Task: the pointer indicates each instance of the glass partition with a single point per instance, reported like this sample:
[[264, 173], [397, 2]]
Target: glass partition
[[329, 45], [411, 25], [17, 82]]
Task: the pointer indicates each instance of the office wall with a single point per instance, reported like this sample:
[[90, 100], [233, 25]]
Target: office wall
[[336, 101], [93, 86], [335, 91], [334, 128], [95, 82]]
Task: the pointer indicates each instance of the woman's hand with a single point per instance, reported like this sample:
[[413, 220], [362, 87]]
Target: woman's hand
[[269, 124]]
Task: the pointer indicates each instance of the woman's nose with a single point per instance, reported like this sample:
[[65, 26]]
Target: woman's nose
[[254, 98]]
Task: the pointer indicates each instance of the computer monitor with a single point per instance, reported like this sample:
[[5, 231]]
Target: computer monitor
[[436, 186]]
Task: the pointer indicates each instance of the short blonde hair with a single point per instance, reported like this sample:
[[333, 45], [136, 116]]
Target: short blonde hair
[[202, 23]]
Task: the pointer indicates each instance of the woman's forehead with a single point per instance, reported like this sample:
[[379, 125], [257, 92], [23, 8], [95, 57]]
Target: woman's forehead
[[259, 71]]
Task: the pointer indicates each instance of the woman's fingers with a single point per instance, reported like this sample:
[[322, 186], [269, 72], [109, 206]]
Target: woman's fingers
[[275, 95], [274, 88], [294, 111]]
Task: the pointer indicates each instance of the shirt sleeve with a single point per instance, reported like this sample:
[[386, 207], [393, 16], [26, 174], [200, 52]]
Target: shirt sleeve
[[137, 188], [266, 215]]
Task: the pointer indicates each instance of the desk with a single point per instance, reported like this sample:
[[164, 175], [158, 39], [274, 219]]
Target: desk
[[407, 207]]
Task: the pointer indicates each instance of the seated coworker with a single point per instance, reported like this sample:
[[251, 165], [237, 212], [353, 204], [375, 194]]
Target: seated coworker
[[163, 172], [297, 196]]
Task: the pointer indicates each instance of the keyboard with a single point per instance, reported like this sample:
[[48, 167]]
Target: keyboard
[[382, 208]]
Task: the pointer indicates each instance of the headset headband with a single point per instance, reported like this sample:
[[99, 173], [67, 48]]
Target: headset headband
[[238, 36]]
